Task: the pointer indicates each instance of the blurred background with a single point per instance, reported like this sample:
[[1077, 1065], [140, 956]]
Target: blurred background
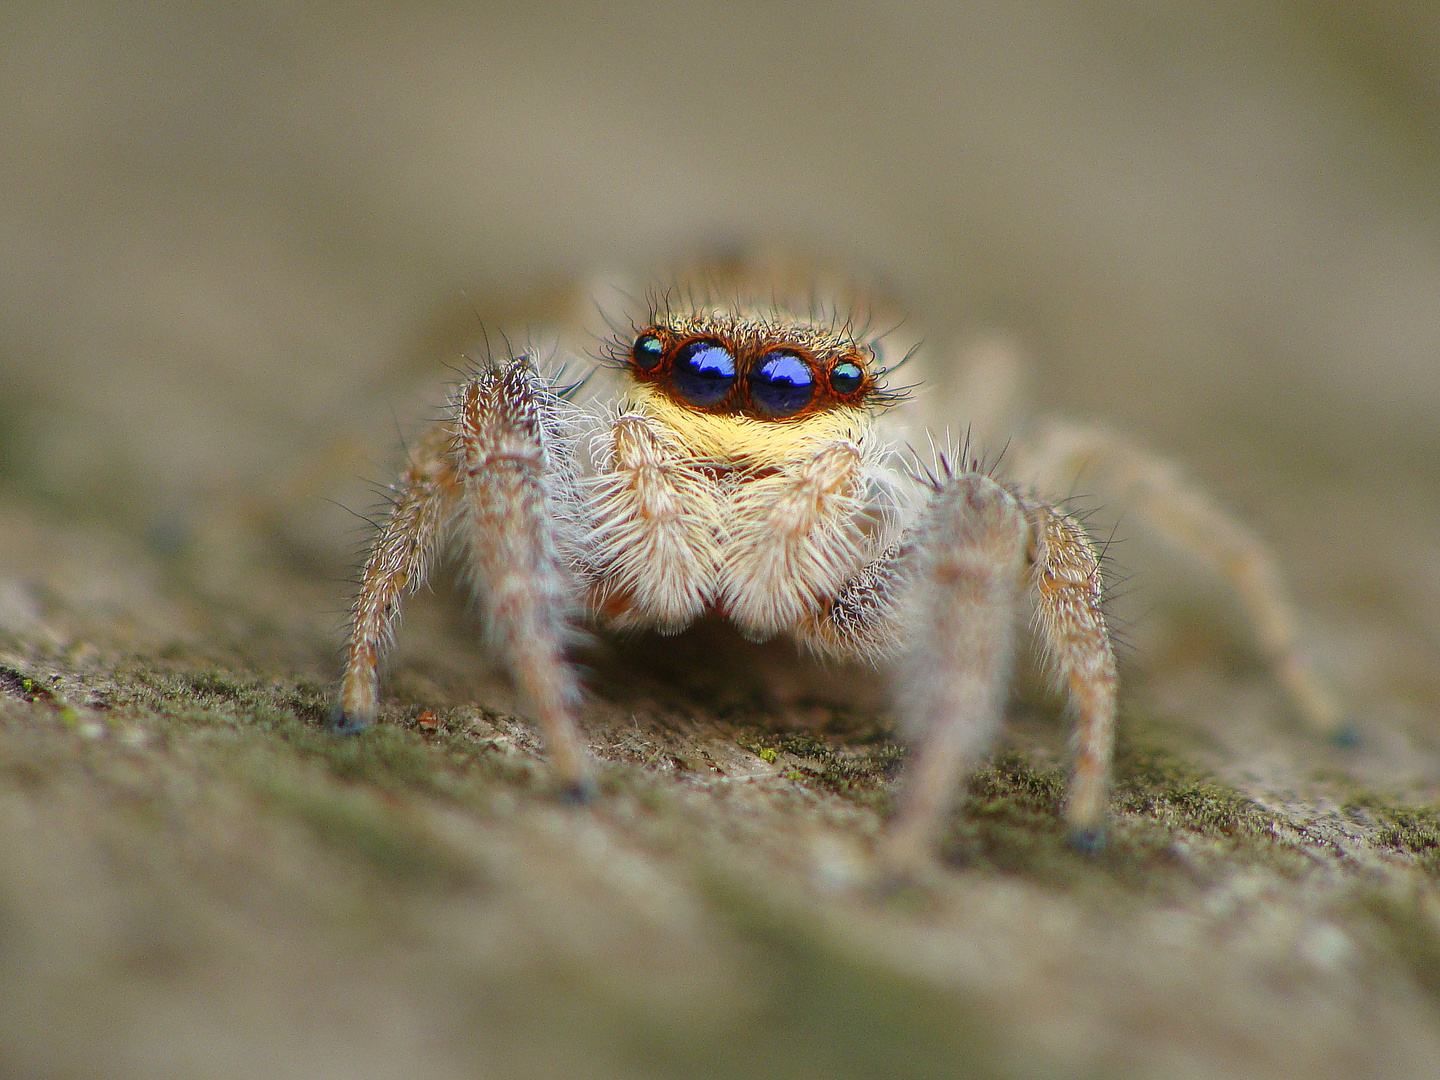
[[239, 243]]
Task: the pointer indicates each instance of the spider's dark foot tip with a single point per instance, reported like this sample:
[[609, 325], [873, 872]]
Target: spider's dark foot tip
[[1346, 736], [343, 723], [577, 792], [1087, 841], [895, 883]]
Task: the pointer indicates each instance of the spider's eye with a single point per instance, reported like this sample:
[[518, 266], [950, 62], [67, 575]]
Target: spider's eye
[[703, 372], [647, 352], [782, 384], [846, 377]]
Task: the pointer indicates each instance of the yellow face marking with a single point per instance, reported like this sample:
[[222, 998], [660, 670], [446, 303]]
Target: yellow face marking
[[743, 440]]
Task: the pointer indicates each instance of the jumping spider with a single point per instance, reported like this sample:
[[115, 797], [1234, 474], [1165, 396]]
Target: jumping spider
[[743, 471]]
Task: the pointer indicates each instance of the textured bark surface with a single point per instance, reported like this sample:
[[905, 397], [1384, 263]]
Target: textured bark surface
[[195, 877]]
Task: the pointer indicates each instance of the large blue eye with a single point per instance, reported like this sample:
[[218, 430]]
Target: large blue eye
[[703, 372], [781, 384]]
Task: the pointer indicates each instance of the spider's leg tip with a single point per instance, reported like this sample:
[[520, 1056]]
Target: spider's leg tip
[[895, 884], [343, 723], [1088, 842], [1346, 735], [580, 792]]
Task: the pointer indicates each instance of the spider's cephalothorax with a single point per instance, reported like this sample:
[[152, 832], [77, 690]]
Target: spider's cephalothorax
[[742, 471], [741, 474]]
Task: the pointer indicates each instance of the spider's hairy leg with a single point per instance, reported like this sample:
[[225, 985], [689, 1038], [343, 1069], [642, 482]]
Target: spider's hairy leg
[[792, 540], [953, 673], [1068, 589], [398, 563], [653, 520], [1153, 489], [524, 590], [860, 624]]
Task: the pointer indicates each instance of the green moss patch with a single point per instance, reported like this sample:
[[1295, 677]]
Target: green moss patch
[[861, 772], [1407, 830]]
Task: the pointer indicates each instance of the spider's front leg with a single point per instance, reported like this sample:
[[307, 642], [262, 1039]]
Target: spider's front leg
[[512, 479], [967, 560], [494, 471], [398, 563], [1069, 590], [944, 603]]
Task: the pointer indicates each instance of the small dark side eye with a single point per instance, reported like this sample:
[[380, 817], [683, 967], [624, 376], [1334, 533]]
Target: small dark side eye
[[782, 384], [846, 377], [703, 372], [647, 352]]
